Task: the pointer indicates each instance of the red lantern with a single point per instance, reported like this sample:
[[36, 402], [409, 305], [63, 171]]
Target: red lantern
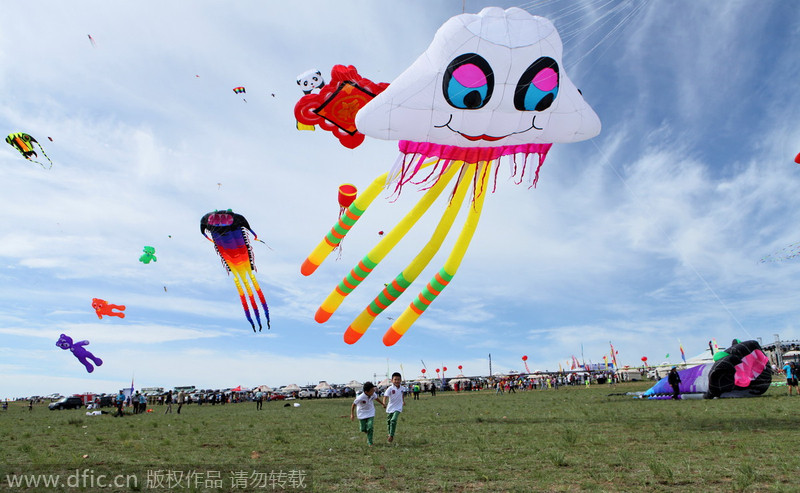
[[347, 194], [644, 358], [423, 371], [437, 370], [444, 368], [525, 358], [460, 367]]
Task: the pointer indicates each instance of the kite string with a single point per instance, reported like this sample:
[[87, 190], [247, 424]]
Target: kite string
[[616, 30], [611, 21], [640, 202]]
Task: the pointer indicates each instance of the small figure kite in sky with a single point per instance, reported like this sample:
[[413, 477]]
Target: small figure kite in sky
[[786, 253], [103, 307], [23, 143], [228, 232], [148, 255], [240, 90], [491, 87], [77, 348]]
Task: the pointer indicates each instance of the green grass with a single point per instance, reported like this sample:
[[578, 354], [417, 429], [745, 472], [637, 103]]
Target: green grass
[[573, 439]]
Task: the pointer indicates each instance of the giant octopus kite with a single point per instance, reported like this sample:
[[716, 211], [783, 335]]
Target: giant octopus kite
[[491, 87], [742, 370], [228, 232]]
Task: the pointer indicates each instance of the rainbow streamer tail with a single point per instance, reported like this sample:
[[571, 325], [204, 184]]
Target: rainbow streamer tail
[[247, 311], [251, 296], [261, 298]]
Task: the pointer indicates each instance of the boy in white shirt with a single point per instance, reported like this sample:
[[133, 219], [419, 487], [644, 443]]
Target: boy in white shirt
[[395, 395], [365, 408]]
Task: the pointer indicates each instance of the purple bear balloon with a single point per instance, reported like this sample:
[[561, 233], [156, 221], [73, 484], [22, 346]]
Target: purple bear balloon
[[83, 355]]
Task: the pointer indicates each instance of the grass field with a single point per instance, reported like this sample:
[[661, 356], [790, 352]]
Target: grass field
[[573, 439]]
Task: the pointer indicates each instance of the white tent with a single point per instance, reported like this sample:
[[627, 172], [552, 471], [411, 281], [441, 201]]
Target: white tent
[[355, 385], [700, 359], [262, 388], [322, 386], [291, 388]]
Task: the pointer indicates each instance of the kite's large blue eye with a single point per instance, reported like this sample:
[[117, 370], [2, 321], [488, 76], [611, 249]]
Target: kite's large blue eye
[[468, 82], [538, 86]]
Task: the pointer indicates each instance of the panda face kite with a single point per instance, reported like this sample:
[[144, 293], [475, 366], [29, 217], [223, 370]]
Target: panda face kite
[[490, 79], [310, 81]]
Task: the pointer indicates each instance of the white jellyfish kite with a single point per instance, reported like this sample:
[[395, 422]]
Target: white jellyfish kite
[[490, 88]]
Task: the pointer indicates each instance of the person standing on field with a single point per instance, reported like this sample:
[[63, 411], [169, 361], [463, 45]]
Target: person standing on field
[[791, 377], [364, 407], [168, 402], [120, 401], [393, 400], [674, 380], [181, 399]]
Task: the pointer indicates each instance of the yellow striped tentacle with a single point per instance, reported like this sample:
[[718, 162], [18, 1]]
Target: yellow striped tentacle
[[442, 278], [394, 289], [379, 251]]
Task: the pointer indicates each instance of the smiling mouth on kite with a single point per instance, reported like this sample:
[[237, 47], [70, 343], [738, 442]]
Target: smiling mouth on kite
[[490, 138]]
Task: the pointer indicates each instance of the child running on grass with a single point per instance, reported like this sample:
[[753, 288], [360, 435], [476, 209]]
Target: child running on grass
[[395, 395], [365, 408]]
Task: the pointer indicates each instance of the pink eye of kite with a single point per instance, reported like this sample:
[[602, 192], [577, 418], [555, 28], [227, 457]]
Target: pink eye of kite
[[546, 79], [469, 76], [468, 82], [538, 86]]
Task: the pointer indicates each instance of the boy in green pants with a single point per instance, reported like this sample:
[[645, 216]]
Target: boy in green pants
[[393, 399], [363, 405]]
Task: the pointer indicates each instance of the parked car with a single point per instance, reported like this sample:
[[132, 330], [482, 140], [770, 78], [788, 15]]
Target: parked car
[[66, 403], [106, 401], [307, 393], [276, 397], [329, 393]]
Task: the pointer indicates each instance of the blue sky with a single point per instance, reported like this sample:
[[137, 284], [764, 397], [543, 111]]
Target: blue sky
[[648, 234]]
